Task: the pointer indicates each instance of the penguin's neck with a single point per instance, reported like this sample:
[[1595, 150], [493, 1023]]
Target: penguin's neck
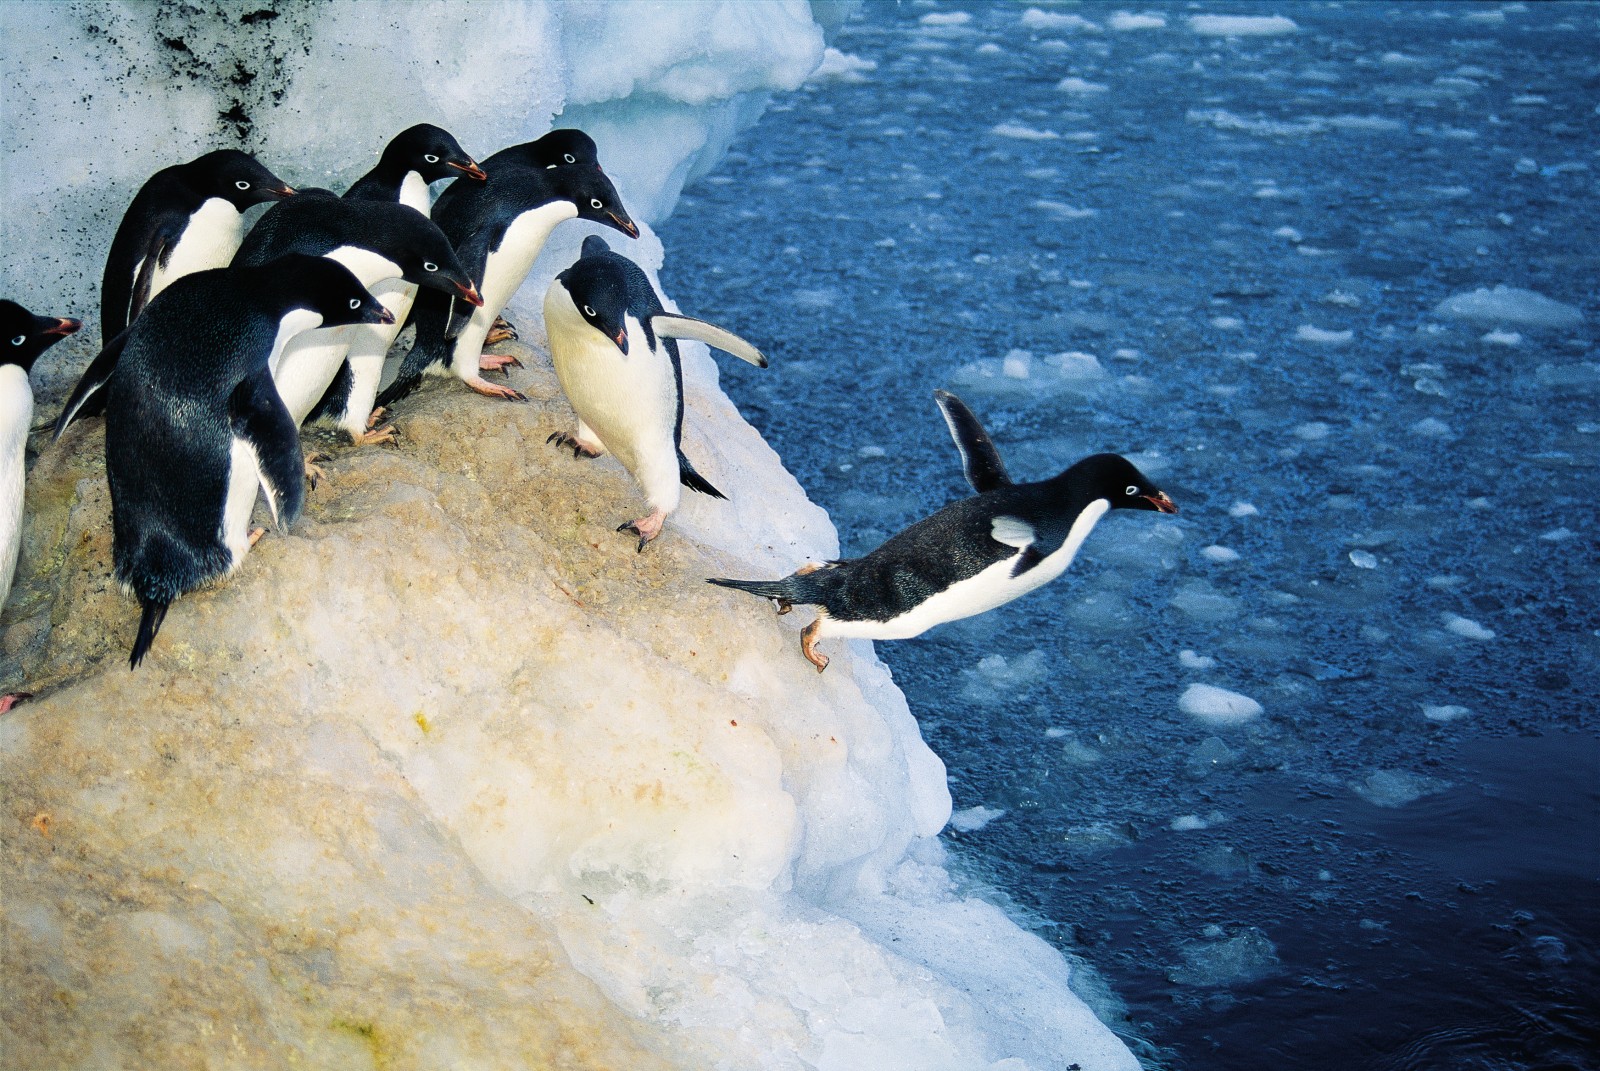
[[290, 324], [413, 192]]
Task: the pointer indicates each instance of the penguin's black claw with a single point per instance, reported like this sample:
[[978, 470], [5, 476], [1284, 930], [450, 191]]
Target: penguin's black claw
[[566, 438]]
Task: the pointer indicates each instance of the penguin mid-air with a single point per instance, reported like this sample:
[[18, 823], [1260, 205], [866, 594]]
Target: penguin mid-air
[[415, 158], [498, 227], [194, 424], [971, 556], [612, 342], [185, 218]]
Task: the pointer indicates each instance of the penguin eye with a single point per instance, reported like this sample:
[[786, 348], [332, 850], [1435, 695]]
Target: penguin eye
[[594, 202], [569, 158], [432, 159], [587, 311], [428, 265], [19, 340], [355, 303], [1130, 490], [241, 185]]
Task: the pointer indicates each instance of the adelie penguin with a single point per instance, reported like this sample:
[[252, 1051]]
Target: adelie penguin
[[413, 160], [194, 424], [613, 345], [971, 556], [23, 337], [185, 218], [498, 228]]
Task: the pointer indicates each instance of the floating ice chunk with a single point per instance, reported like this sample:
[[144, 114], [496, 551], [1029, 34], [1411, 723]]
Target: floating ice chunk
[[1242, 509], [1582, 375], [1308, 333], [1077, 753], [1374, 123], [1017, 364], [1223, 119], [1398, 59], [1444, 712], [1226, 323], [1218, 706], [1189, 660], [1065, 211], [1432, 428], [1076, 365], [1363, 559], [1241, 25], [842, 67], [1342, 298], [1288, 232], [1080, 86], [1122, 20], [1020, 132], [1185, 823], [1199, 600], [995, 675], [1509, 305], [946, 18], [1035, 19], [974, 818], [1210, 756], [1313, 431], [1396, 788], [1244, 957], [989, 48], [1557, 535], [1502, 338], [1220, 555], [873, 451], [1465, 627]]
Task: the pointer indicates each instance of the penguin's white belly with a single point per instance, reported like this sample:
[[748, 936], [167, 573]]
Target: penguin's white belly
[[209, 241], [307, 365], [994, 586], [503, 273], [244, 477], [369, 345], [16, 413]]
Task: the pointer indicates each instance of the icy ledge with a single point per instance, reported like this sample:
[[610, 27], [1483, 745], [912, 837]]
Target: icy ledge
[[450, 777]]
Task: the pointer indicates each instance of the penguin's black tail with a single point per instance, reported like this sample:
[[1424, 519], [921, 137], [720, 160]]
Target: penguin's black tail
[[694, 481], [151, 615], [768, 589]]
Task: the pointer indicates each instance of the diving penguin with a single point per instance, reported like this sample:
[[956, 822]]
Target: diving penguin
[[185, 218], [613, 345], [971, 556], [194, 424], [498, 228]]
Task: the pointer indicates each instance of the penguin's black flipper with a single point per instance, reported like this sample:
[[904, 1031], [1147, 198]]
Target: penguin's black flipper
[[122, 296], [1016, 532], [260, 418], [979, 458], [334, 400], [693, 480], [151, 613], [87, 398], [672, 325], [431, 312]]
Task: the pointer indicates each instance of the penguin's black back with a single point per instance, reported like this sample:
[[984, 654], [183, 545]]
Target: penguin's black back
[[316, 222]]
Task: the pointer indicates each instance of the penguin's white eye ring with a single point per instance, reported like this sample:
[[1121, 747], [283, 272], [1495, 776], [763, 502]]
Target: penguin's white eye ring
[[428, 265], [595, 203], [355, 303], [569, 158], [1130, 490], [587, 311], [432, 159], [241, 185], [19, 340]]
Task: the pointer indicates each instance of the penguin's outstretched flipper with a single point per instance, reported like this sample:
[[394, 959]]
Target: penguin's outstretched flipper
[[979, 458], [260, 418], [88, 398], [672, 325]]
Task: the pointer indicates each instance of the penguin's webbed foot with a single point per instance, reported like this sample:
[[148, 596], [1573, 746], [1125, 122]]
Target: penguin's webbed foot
[[500, 331], [12, 699], [783, 606], [497, 362], [489, 390], [646, 528], [315, 472], [374, 416], [388, 434], [566, 438], [808, 645], [256, 534]]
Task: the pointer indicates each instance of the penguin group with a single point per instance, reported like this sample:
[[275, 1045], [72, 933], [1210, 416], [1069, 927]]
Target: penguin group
[[217, 345]]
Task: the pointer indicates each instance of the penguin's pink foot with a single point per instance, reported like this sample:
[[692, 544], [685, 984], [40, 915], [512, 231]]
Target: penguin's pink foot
[[808, 645], [579, 447], [497, 362], [500, 331], [315, 472], [489, 390], [373, 417], [646, 528], [256, 534], [11, 700], [376, 436]]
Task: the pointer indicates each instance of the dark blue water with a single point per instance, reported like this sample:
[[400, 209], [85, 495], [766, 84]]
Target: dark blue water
[[1225, 258]]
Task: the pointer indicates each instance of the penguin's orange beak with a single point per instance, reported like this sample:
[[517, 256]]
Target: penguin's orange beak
[[470, 169], [64, 326], [287, 191], [470, 295], [621, 339], [1161, 502], [625, 225], [385, 316]]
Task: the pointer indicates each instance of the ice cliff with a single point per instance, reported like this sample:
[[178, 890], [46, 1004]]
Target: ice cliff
[[448, 776]]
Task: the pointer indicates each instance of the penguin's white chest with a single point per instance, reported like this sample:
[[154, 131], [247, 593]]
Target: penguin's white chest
[[16, 413], [310, 360], [994, 586], [414, 193], [210, 240], [503, 272]]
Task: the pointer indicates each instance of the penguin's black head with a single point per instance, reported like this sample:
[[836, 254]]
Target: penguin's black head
[[564, 148], [236, 177], [600, 293], [329, 289], [23, 336], [1116, 479], [594, 196], [431, 152], [426, 257]]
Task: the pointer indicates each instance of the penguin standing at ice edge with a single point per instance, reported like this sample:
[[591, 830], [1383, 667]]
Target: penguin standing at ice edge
[[194, 424], [185, 218], [611, 340], [971, 556]]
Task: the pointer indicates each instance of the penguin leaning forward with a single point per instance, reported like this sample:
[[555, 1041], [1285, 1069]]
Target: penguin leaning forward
[[971, 556], [185, 218], [612, 342], [194, 424]]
